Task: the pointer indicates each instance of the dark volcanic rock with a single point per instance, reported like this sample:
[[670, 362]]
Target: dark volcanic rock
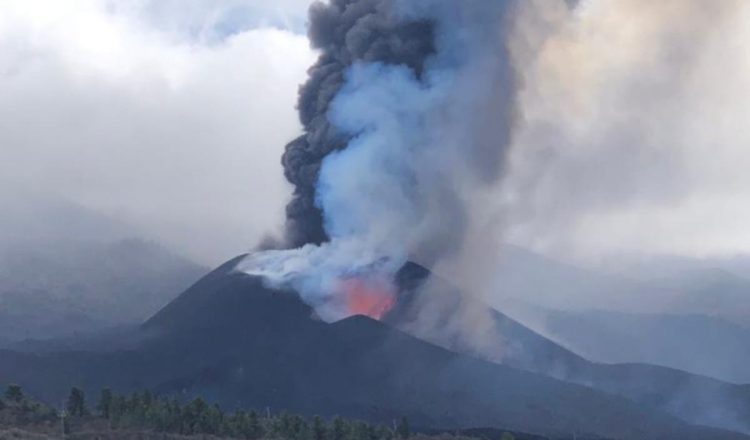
[[234, 341]]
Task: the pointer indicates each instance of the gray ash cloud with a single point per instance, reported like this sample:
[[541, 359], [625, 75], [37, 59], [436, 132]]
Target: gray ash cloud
[[345, 32]]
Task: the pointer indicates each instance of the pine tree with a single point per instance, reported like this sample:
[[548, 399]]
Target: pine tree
[[76, 403], [105, 403], [338, 429], [403, 430], [212, 420], [14, 393], [118, 411], [360, 431], [195, 420], [300, 428], [254, 428], [174, 413], [384, 433], [318, 429], [147, 399]]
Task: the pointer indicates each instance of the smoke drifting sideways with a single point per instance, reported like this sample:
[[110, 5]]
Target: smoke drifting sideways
[[634, 131], [407, 115]]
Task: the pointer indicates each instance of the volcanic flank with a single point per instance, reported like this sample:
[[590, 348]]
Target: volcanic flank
[[233, 340], [407, 115]]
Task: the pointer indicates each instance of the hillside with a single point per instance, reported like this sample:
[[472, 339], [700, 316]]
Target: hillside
[[432, 309], [82, 273], [63, 289], [232, 340]]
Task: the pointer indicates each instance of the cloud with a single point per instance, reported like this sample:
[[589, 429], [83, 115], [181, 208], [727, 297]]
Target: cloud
[[172, 115], [164, 114], [634, 134]]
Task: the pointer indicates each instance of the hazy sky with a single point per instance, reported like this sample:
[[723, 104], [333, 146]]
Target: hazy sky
[[634, 133], [171, 115], [168, 114]]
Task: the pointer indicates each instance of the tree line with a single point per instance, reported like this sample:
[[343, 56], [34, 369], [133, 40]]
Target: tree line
[[145, 411], [16, 409]]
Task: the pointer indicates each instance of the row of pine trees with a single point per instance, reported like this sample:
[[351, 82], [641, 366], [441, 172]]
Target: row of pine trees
[[144, 411]]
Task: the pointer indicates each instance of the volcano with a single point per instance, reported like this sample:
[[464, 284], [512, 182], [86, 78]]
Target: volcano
[[232, 340]]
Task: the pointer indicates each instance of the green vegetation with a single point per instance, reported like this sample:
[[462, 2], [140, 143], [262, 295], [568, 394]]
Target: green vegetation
[[170, 418], [17, 410], [76, 403], [14, 393], [143, 416], [144, 411]]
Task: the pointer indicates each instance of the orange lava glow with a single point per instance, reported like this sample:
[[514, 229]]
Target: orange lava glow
[[369, 298]]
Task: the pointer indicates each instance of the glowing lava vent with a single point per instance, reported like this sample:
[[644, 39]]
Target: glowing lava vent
[[373, 298]]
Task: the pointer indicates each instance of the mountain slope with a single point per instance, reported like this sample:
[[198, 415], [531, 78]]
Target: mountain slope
[[433, 310], [66, 270], [63, 289], [234, 341]]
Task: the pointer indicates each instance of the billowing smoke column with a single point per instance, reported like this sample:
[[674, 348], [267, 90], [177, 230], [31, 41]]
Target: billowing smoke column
[[346, 32], [407, 114]]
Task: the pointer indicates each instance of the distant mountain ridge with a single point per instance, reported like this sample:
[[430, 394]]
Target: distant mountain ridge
[[37, 218], [701, 344], [684, 286], [66, 270], [59, 291]]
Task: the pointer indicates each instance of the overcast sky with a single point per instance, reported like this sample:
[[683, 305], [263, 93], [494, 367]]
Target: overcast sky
[[171, 115], [168, 114], [634, 133]]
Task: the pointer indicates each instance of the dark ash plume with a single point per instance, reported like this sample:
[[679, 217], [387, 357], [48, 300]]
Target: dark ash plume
[[346, 32], [408, 116]]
